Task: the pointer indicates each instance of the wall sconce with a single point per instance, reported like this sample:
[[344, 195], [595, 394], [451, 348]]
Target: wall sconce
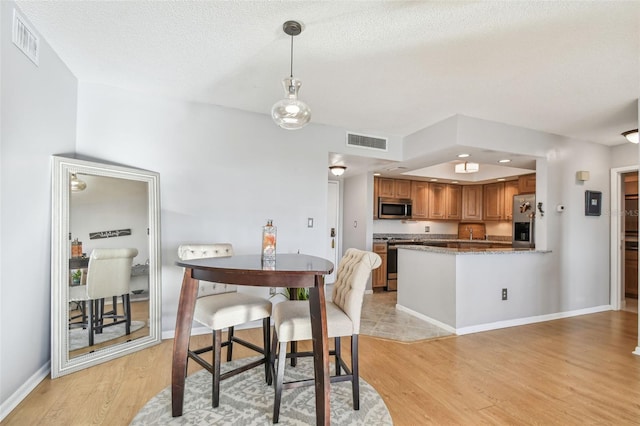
[[337, 170], [631, 135], [582, 175]]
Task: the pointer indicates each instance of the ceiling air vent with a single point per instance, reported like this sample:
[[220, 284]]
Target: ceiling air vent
[[368, 142], [25, 38]]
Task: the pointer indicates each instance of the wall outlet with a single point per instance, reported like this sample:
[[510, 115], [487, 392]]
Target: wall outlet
[[504, 294], [427, 229], [272, 291]]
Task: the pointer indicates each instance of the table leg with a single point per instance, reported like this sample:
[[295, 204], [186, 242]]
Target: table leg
[[184, 319], [318, 312]]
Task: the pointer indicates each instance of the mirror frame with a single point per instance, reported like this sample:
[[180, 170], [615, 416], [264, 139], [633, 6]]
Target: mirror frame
[[62, 166]]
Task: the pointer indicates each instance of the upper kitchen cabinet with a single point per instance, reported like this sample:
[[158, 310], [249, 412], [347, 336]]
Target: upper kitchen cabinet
[[394, 188], [494, 201], [511, 188], [445, 201], [420, 198], [527, 184], [498, 200], [471, 202]]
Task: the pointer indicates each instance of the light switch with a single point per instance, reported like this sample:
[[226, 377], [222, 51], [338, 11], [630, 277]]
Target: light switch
[[310, 222]]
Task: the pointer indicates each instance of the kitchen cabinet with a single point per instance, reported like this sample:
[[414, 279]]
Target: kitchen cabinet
[[472, 202], [493, 201], [631, 273], [527, 184], [379, 275], [511, 188], [420, 198], [445, 201], [394, 188]]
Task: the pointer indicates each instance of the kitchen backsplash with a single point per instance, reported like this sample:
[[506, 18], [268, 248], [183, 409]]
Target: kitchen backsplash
[[436, 228], [432, 236]]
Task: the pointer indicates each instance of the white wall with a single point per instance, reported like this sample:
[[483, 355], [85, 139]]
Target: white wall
[[223, 173], [38, 119]]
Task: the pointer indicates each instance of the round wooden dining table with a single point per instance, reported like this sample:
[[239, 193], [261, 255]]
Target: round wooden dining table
[[288, 270]]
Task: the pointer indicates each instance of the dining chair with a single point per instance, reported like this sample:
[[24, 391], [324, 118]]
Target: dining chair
[[108, 276], [292, 323], [220, 306]]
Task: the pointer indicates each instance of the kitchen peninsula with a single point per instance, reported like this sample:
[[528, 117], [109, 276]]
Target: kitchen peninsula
[[462, 289]]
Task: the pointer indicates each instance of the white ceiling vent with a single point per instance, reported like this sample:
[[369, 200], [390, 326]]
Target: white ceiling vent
[[25, 38], [368, 142]]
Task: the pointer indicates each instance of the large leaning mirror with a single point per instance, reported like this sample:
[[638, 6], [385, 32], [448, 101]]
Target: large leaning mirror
[[105, 262]]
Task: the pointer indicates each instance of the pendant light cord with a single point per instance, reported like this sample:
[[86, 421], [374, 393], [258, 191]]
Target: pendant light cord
[[292, 56]]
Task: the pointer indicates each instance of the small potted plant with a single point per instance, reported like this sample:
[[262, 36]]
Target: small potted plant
[[75, 277]]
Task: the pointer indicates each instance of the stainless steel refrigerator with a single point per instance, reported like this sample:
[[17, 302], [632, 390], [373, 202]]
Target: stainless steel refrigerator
[[524, 213]]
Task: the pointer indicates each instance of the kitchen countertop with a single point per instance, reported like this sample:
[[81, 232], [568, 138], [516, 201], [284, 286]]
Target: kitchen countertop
[[447, 240], [469, 250]]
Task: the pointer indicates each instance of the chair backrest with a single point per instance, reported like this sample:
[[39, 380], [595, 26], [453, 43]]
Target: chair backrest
[[351, 280], [200, 251], [109, 272]]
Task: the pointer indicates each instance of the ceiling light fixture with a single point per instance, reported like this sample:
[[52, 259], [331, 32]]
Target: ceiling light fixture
[[631, 135], [337, 170], [506, 160], [467, 167], [76, 184], [290, 113], [463, 155]]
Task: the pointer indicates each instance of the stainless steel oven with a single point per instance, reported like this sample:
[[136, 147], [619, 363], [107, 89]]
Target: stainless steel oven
[[392, 262]]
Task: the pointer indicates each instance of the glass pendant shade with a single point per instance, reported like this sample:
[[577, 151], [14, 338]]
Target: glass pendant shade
[[76, 184], [290, 113]]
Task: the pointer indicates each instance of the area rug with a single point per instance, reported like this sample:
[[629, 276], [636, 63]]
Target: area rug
[[79, 337], [245, 399]]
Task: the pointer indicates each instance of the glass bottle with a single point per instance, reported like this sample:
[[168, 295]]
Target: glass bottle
[[269, 241]]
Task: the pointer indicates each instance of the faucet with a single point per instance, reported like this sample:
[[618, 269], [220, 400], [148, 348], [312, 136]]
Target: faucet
[[470, 229]]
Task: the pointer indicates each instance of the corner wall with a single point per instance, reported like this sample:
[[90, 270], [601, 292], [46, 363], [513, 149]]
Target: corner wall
[[38, 113]]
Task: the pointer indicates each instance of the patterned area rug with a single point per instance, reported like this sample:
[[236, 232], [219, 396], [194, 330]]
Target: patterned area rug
[[79, 337], [245, 399]]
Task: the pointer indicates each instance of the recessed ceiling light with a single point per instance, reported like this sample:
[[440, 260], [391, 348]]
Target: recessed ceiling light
[[463, 155], [504, 160]]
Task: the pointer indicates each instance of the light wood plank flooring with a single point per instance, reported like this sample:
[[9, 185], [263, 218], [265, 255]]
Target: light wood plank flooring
[[572, 371]]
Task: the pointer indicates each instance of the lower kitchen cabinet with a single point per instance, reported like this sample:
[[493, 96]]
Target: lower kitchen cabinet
[[631, 273], [379, 275]]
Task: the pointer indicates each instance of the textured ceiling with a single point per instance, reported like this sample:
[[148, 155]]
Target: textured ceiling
[[569, 68]]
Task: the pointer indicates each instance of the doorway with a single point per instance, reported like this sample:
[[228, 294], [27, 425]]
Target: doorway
[[624, 238]]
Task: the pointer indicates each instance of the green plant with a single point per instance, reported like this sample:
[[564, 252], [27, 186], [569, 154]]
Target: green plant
[[303, 293], [76, 275]]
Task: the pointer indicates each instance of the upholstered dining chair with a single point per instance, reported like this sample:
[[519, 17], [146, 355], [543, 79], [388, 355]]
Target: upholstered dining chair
[[220, 306], [108, 275], [292, 323]]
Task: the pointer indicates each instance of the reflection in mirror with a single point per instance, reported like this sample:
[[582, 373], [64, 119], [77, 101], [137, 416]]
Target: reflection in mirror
[[105, 262]]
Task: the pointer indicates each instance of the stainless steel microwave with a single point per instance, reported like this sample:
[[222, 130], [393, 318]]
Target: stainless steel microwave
[[394, 208]]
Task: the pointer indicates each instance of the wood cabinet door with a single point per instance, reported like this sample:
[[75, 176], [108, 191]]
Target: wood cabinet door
[[386, 187], [402, 188], [631, 273], [454, 202], [376, 194], [511, 188], [420, 199], [379, 275], [527, 184], [437, 200], [493, 201], [472, 202]]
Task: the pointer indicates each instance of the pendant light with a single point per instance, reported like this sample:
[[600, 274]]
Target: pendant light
[[290, 113], [631, 135], [337, 170], [76, 184]]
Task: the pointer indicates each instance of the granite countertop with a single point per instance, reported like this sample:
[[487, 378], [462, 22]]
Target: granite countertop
[[488, 250], [449, 240]]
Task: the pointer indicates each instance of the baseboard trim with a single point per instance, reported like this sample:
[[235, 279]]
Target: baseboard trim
[[509, 323], [21, 393], [426, 318]]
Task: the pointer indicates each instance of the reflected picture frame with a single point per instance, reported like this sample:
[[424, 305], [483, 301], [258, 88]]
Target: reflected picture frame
[[592, 203]]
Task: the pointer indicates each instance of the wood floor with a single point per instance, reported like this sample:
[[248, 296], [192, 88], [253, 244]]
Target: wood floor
[[572, 371]]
